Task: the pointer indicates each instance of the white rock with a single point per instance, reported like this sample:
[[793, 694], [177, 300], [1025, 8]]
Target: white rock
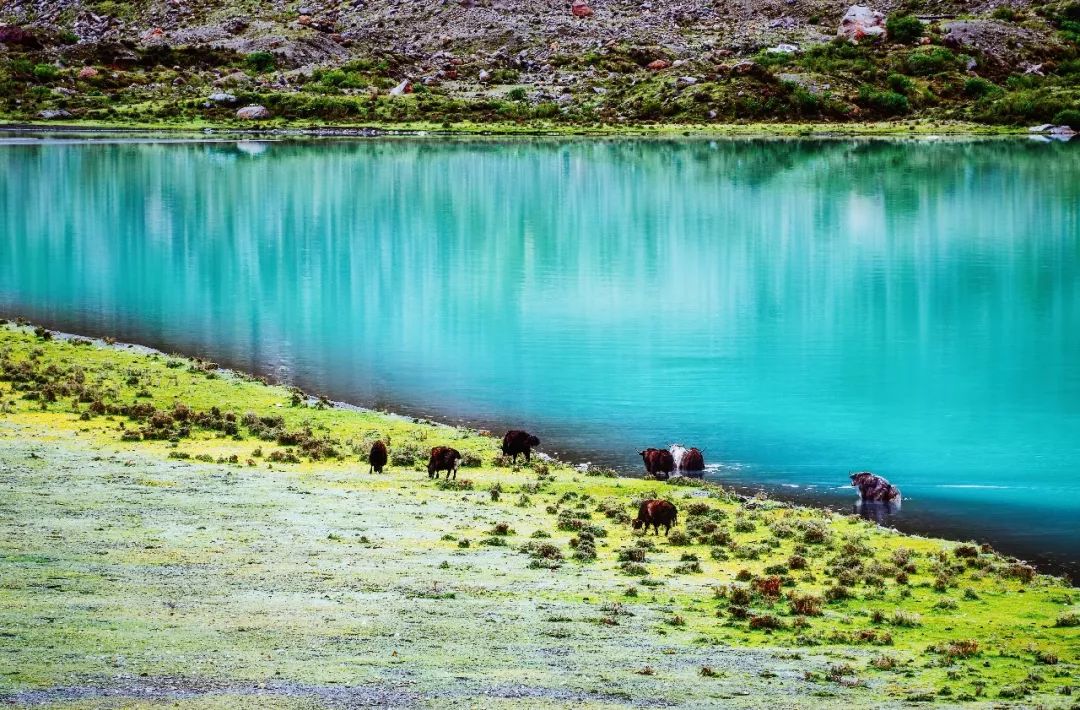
[[861, 22], [253, 113]]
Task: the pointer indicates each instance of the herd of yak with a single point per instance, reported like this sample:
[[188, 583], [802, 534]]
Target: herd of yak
[[659, 463]]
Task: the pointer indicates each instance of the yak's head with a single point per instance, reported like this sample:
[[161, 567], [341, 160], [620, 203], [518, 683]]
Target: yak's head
[[533, 441], [636, 523], [861, 478]]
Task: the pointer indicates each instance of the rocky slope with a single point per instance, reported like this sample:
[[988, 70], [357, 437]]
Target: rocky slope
[[605, 61]]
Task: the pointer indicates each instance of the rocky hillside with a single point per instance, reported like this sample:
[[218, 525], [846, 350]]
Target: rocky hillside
[[521, 61]]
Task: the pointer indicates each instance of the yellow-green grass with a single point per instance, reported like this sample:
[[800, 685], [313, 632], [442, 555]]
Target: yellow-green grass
[[197, 580]]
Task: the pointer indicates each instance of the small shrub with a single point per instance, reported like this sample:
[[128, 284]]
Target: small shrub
[[502, 529], [797, 562], [1046, 658], [1068, 117], [806, 604], [905, 29], [495, 492], [260, 61], [977, 87], [837, 593], [688, 568], [766, 621], [1069, 619], [45, 72], [905, 618], [965, 648], [680, 538], [884, 662], [887, 103]]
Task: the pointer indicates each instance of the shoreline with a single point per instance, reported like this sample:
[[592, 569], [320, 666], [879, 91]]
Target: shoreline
[[913, 127], [928, 524]]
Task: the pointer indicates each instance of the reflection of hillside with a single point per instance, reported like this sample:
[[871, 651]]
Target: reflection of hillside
[[759, 275]]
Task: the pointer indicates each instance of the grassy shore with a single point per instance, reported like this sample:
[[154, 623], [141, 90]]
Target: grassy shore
[[175, 534], [913, 127]]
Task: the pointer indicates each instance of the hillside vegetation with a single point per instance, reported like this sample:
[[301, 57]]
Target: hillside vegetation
[[540, 65], [177, 533]]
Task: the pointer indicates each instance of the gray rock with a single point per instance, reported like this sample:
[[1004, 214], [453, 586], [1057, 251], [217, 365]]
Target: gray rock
[[223, 98], [50, 114], [253, 113]]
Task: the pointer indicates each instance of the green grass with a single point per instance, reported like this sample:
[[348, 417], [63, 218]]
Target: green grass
[[122, 566]]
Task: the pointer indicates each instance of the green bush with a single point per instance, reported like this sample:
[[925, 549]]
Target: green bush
[[1068, 117], [45, 72], [906, 29], [900, 83], [977, 86], [931, 60], [260, 61], [886, 103], [1004, 12], [516, 94]]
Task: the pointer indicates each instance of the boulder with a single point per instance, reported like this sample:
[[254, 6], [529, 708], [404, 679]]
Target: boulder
[[580, 8], [223, 98], [1003, 43], [484, 75], [860, 22], [658, 64], [87, 73], [405, 87], [253, 113], [51, 114], [17, 36]]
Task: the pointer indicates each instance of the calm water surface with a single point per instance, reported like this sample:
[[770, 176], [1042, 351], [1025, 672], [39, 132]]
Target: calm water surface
[[797, 309]]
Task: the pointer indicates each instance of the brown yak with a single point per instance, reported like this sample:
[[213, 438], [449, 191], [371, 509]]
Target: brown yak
[[874, 488], [518, 442], [658, 462], [377, 457], [656, 513], [443, 458]]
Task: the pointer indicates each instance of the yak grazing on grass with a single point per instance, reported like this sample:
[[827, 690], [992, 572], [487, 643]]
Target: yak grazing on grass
[[443, 458], [518, 442], [656, 513]]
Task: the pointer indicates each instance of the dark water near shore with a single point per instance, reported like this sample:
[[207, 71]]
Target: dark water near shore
[[798, 309]]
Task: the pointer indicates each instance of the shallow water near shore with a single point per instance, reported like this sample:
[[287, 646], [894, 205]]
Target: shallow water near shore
[[797, 308]]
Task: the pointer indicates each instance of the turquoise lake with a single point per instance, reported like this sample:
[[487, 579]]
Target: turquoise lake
[[798, 309]]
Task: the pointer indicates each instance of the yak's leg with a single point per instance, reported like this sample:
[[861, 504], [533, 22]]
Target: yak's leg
[[528, 455]]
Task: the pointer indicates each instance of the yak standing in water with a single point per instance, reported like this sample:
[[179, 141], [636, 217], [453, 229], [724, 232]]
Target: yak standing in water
[[687, 459], [874, 488], [658, 462], [518, 442], [443, 458], [377, 457]]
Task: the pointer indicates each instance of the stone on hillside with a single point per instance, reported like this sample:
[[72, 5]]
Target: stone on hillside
[[221, 97], [580, 8], [50, 114], [87, 73], [860, 22], [13, 35], [658, 64], [405, 87], [253, 113], [484, 75]]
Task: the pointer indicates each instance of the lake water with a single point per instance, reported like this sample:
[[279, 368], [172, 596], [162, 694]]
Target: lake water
[[798, 309]]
